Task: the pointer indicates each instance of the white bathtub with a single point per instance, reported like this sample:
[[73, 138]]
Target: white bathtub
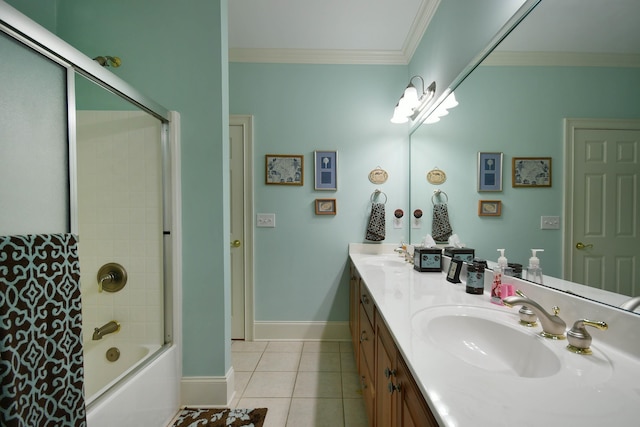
[[148, 396], [100, 374]]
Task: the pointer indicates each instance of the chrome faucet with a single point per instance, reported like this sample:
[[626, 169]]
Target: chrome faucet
[[631, 304], [553, 327], [107, 328]]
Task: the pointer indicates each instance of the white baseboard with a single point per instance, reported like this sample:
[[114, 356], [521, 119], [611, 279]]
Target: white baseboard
[[208, 391], [302, 331]]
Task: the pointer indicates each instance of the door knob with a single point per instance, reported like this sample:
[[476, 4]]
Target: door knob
[[581, 246], [236, 243]]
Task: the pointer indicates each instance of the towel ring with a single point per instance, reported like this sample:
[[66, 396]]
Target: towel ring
[[375, 195], [437, 193]]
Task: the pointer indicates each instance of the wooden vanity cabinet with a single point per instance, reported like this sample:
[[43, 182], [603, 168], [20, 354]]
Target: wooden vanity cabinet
[[385, 375], [412, 409], [354, 310], [392, 397], [363, 338]]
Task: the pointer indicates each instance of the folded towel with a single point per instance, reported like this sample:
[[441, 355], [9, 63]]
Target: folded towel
[[441, 229], [376, 225]]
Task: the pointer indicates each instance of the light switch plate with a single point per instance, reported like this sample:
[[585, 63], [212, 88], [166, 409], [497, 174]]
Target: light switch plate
[[549, 222], [266, 220]]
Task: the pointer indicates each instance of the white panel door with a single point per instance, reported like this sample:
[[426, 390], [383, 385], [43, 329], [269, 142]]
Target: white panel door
[[236, 166], [606, 206]]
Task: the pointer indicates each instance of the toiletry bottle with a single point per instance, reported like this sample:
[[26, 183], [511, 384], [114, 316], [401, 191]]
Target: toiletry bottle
[[498, 272], [475, 279], [534, 272]]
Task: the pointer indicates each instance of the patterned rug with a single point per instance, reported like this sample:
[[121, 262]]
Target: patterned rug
[[220, 417]]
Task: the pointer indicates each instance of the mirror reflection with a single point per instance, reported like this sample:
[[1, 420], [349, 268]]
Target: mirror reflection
[[566, 60]]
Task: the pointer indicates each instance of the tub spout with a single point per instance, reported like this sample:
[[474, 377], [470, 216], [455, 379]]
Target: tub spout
[[108, 328]]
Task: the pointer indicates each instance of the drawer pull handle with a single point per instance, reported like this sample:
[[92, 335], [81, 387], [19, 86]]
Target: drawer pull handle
[[393, 387], [365, 300], [363, 336], [388, 372], [363, 382]]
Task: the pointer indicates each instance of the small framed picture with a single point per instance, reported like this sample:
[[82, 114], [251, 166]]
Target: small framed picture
[[284, 169], [325, 206], [490, 171], [326, 170], [455, 267], [531, 172], [489, 208]]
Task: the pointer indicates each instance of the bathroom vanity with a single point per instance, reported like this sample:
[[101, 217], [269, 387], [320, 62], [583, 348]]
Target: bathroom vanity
[[429, 354]]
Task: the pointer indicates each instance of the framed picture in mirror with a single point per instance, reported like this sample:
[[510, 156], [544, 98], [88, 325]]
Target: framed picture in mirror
[[531, 172], [490, 171]]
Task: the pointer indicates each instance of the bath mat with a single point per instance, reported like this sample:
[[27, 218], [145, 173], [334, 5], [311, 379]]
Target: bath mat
[[220, 417]]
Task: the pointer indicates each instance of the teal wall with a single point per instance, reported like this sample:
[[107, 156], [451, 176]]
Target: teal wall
[[41, 11], [177, 55], [518, 111], [301, 265]]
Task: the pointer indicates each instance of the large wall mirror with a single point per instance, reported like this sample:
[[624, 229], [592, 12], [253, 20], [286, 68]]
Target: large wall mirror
[[571, 59]]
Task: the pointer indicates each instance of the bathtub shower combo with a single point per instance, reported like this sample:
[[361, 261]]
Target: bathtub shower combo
[[113, 166]]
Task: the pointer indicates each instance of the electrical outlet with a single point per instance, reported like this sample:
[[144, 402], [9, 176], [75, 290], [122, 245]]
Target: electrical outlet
[[266, 220], [549, 222]]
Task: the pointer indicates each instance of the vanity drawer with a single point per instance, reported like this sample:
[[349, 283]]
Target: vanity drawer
[[367, 302]]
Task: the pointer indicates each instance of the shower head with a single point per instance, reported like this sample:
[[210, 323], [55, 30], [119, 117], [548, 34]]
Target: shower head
[[107, 61]]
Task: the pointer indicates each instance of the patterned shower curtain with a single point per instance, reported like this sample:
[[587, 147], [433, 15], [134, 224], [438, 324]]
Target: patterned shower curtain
[[41, 360]]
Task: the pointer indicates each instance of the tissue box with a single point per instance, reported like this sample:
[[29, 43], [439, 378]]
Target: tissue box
[[427, 259], [464, 254]]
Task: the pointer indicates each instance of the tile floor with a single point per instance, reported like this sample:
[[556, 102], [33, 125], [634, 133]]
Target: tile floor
[[310, 384]]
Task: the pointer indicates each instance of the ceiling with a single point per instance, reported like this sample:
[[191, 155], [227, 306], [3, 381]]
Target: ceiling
[[388, 31], [339, 31]]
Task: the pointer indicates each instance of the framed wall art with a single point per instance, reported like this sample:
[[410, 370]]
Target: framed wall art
[[490, 171], [326, 207], [326, 170], [489, 208], [531, 172], [284, 169]]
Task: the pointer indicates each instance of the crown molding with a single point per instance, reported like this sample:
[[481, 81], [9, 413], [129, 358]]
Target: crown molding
[[318, 56], [422, 20], [561, 59]]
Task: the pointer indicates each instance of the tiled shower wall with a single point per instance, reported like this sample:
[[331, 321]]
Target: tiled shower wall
[[120, 220]]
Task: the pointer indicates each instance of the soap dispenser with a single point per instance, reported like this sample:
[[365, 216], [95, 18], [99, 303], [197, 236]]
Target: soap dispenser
[[534, 272], [499, 289]]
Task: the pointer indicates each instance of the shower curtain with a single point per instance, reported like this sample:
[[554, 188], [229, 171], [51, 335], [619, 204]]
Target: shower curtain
[[41, 362]]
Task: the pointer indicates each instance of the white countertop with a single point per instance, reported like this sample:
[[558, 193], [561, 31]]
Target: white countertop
[[595, 390]]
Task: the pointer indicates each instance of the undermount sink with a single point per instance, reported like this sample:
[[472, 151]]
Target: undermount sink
[[487, 339]]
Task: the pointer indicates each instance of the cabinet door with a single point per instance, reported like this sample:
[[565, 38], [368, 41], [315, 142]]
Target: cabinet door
[[354, 306], [412, 408], [368, 388], [385, 376]]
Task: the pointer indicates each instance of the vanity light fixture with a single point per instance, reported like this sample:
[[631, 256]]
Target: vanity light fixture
[[411, 102], [442, 109]]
